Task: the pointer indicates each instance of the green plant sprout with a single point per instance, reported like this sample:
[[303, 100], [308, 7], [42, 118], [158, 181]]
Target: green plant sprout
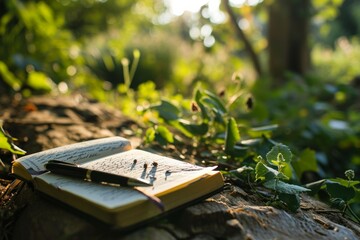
[[342, 192], [132, 101], [130, 73], [7, 143], [210, 125], [207, 121], [202, 120], [279, 156]]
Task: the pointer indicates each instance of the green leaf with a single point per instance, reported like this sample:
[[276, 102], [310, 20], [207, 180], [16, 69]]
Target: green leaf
[[315, 186], [283, 187], [39, 81], [356, 198], [232, 135], [215, 102], [6, 142], [338, 203], [165, 134], [204, 112], [209, 102], [263, 172], [336, 190], [167, 110], [273, 155], [191, 129], [292, 201], [345, 182], [150, 135], [305, 162], [9, 77], [212, 105], [287, 170]]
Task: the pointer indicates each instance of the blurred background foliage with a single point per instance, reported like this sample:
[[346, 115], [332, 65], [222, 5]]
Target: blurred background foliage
[[293, 64]]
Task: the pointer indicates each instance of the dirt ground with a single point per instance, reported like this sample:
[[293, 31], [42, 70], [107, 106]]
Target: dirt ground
[[45, 122]]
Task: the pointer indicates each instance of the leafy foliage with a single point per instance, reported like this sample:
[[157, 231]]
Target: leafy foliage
[[232, 136], [342, 193], [6, 142], [210, 126], [236, 120], [280, 156]]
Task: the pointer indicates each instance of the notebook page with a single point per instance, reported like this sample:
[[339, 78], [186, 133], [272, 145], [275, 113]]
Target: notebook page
[[75, 153], [168, 174], [163, 172], [105, 195]]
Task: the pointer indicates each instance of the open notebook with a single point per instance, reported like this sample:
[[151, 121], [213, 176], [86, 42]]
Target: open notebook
[[175, 183]]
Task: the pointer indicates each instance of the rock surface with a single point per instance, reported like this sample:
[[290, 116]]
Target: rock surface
[[45, 122]]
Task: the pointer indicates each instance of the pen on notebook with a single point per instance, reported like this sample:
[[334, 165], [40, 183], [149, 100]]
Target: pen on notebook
[[73, 170]]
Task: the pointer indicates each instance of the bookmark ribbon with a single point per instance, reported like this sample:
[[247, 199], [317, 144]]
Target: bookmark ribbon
[[154, 199]]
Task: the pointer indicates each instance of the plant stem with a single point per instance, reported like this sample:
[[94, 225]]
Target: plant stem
[[127, 80], [134, 64], [276, 191], [352, 213]]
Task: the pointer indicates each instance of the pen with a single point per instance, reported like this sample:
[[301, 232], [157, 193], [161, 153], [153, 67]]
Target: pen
[[73, 170]]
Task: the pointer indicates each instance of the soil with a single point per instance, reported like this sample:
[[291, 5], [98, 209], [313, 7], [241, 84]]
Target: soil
[[236, 212]]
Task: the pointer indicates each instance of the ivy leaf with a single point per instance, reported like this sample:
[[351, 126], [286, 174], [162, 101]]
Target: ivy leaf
[[273, 156], [232, 135], [209, 102], [214, 100], [287, 170], [150, 135], [198, 96], [336, 190], [167, 110], [190, 129], [283, 187], [356, 198], [216, 107], [263, 172], [292, 201], [163, 135], [345, 182], [6, 142], [338, 203], [315, 186], [166, 134]]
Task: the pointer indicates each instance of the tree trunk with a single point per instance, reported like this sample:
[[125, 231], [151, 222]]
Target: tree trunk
[[288, 38]]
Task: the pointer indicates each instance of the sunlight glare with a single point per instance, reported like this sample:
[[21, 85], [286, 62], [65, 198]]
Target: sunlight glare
[[239, 3], [179, 7]]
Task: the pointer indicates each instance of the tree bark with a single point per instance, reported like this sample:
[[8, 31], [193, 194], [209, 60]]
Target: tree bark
[[288, 38]]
